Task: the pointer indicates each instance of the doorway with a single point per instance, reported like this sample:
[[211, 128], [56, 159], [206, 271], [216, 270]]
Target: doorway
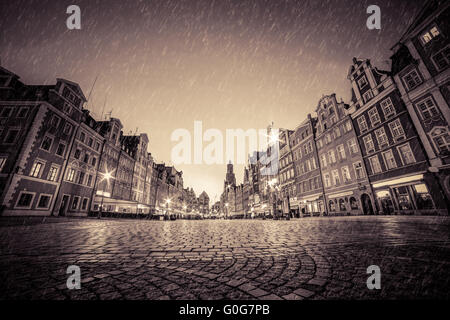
[[63, 206], [366, 204]]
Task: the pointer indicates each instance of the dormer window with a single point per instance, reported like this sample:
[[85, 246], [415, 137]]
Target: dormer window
[[429, 34], [362, 82]]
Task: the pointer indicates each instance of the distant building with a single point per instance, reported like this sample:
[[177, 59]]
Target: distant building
[[203, 200], [309, 199]]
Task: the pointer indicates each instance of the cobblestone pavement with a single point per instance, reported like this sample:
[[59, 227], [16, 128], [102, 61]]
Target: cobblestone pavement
[[311, 258]]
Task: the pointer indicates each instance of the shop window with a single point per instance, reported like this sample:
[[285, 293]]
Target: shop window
[[404, 200], [353, 203], [342, 206], [332, 206], [387, 206], [423, 197]]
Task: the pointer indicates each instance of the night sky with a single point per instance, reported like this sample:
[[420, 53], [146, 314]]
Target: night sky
[[231, 64]]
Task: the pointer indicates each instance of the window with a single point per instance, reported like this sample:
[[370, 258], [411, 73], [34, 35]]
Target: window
[[368, 143], [37, 168], [375, 164], [55, 121], [345, 174], [389, 160], [11, 136], [337, 132], [442, 58], [374, 116], [46, 143], [77, 154], [440, 137], [342, 206], [60, 150], [382, 138], [336, 179], [6, 112], [25, 200], [332, 205], [326, 179], [423, 197], [90, 142], [323, 160], [81, 178], [396, 130], [89, 181], [94, 161], [84, 204], [427, 108], [353, 203], [327, 138], [2, 163], [44, 201], [359, 170], [67, 108], [67, 129], [53, 173], [352, 146], [406, 154], [387, 107], [429, 35], [86, 158], [412, 79], [348, 126], [367, 96], [23, 111], [75, 203], [320, 143], [97, 146], [362, 82], [82, 136], [341, 151], [71, 175], [331, 156], [362, 123]]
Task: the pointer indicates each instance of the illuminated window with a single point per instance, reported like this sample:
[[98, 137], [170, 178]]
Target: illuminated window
[[359, 170], [429, 35], [37, 168], [53, 173]]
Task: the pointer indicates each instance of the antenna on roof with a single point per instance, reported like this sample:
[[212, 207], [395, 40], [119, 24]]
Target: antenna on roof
[[103, 109], [90, 92]]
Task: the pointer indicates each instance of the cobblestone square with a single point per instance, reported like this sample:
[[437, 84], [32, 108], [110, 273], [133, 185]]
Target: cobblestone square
[[311, 258]]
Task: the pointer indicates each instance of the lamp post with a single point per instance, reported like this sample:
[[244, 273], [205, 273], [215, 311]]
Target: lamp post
[[106, 176], [168, 207]]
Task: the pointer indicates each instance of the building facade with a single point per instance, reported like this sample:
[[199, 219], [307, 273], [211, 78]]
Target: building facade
[[420, 67], [346, 186]]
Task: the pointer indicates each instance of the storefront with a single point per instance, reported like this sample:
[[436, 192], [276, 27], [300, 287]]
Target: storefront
[[405, 195], [312, 205], [352, 202]]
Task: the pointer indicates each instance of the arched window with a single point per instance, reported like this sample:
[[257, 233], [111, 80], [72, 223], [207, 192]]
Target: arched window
[[441, 139], [342, 205], [353, 203], [332, 206]]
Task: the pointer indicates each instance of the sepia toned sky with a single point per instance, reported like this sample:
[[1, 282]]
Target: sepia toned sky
[[162, 64]]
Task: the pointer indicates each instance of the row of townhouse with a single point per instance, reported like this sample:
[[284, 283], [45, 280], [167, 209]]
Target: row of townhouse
[[56, 159], [387, 151]]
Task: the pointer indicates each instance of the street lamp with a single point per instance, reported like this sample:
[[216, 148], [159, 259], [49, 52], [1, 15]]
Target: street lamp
[[105, 176]]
